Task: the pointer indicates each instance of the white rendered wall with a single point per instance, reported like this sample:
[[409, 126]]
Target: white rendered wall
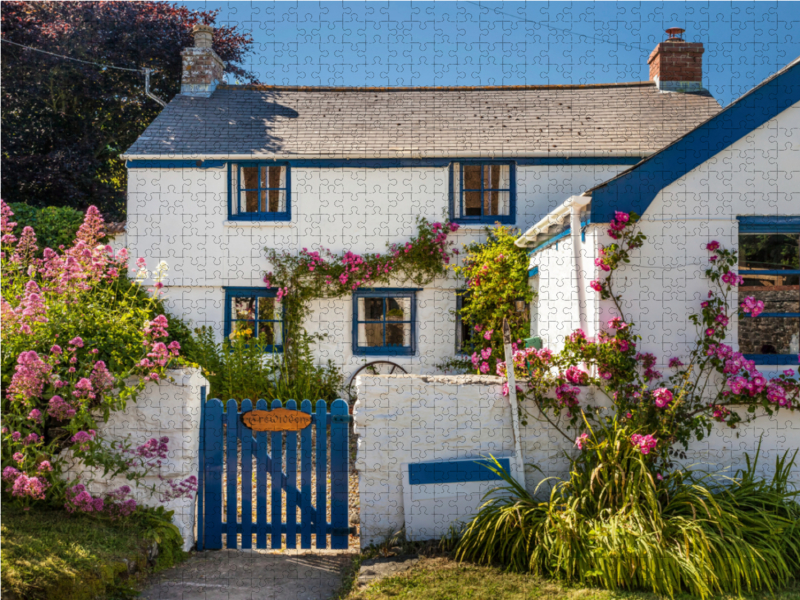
[[170, 409], [407, 419], [665, 281], [180, 216]]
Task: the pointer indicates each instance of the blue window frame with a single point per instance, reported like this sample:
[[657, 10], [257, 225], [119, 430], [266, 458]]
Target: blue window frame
[[255, 312], [259, 191], [483, 192], [384, 321], [769, 263]]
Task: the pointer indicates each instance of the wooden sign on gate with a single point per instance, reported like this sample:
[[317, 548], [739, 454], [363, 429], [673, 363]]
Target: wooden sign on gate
[[279, 419]]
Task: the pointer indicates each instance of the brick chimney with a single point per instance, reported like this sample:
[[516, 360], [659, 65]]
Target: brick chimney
[[676, 65], [203, 69]]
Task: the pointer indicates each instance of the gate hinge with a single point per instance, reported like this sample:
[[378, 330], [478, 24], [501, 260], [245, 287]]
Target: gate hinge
[[344, 530]]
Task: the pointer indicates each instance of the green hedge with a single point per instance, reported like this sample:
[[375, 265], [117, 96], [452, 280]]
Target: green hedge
[[54, 225]]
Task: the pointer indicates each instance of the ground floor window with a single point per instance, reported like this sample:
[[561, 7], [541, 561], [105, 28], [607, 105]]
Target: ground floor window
[[769, 263], [384, 321], [254, 313]]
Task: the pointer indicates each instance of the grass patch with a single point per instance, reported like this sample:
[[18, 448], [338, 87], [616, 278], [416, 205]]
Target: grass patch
[[55, 554], [442, 578]]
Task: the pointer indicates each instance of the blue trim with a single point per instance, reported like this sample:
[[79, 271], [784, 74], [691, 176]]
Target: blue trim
[[787, 315], [232, 292], [773, 359], [508, 219], [636, 189], [776, 224], [770, 272], [533, 272], [461, 471], [410, 293], [175, 164], [383, 163]]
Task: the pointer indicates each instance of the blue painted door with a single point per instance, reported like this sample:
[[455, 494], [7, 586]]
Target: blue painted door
[[237, 463]]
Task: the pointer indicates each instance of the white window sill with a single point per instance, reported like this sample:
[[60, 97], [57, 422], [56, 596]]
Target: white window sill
[[258, 223]]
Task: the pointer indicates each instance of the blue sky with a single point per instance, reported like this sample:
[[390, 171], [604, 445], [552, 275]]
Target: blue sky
[[508, 43]]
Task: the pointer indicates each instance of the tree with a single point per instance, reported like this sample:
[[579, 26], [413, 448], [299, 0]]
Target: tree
[[65, 123]]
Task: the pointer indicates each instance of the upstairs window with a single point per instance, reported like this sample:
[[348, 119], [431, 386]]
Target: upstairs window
[[260, 192], [483, 192], [254, 313], [384, 321], [769, 263]]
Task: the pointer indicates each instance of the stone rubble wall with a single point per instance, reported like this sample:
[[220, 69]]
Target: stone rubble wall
[[416, 418], [170, 408]]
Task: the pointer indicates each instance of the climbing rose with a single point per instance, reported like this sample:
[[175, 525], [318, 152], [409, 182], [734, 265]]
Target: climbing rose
[[711, 246], [663, 397], [645, 443], [581, 440]]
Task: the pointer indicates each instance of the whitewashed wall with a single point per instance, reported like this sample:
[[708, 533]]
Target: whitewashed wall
[[665, 281], [170, 409], [180, 216], [406, 419]]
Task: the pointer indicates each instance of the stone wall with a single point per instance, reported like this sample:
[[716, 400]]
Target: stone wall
[[170, 409], [416, 418]]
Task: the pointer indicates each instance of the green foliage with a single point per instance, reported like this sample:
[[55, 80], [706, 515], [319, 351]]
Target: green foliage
[[242, 368], [54, 554], [54, 225], [617, 524], [496, 273]]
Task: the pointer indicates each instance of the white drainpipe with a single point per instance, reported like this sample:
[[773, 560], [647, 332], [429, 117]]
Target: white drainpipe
[[576, 204]]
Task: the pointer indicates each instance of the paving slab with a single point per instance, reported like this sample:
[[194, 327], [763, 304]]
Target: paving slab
[[251, 575]]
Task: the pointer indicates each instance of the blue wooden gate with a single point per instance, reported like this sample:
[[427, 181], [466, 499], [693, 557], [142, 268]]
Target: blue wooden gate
[[227, 450]]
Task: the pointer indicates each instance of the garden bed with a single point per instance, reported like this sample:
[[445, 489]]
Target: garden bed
[[55, 554]]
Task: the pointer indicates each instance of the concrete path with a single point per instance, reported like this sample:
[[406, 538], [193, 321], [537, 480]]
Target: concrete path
[[252, 575]]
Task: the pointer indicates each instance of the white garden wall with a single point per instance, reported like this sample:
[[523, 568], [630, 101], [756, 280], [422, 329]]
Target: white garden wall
[[412, 418], [180, 216], [170, 409]]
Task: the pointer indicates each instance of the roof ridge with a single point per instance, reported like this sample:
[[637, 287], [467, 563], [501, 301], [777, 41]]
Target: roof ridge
[[309, 88]]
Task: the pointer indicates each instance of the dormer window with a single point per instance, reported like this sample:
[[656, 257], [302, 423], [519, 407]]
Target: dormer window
[[260, 192], [483, 192]]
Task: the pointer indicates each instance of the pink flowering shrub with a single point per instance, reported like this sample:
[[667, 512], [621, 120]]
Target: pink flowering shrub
[[75, 329], [658, 410]]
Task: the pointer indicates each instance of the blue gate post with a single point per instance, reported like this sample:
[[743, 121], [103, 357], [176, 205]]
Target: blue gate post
[[322, 474], [213, 474], [231, 463], [276, 480], [247, 479], [305, 480], [261, 483], [291, 483], [340, 421]]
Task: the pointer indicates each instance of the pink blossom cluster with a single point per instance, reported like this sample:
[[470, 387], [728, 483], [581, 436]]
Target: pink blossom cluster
[[30, 376], [575, 376], [567, 395], [662, 397], [752, 306], [581, 440], [117, 504], [720, 413], [618, 224], [521, 356], [600, 261], [23, 486], [82, 439], [732, 279], [59, 409], [80, 500], [648, 362], [645, 443], [180, 489], [6, 224]]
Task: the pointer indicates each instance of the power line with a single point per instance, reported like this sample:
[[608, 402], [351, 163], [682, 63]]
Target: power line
[[561, 29], [86, 62]]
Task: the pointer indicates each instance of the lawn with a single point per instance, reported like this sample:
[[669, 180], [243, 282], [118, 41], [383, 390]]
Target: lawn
[[55, 554], [444, 579]]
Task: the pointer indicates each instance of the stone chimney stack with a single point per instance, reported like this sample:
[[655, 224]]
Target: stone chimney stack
[[203, 69], [676, 65]]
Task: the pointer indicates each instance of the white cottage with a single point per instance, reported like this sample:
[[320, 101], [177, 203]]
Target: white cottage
[[734, 179], [227, 170]]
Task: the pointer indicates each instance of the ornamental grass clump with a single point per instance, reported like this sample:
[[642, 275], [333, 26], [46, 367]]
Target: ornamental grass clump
[[617, 524]]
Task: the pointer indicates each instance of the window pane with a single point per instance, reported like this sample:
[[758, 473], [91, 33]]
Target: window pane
[[771, 335], [249, 178], [269, 309], [270, 333], [496, 177], [370, 309], [472, 177], [245, 329], [243, 308], [769, 251], [370, 335], [398, 309], [398, 334], [496, 203], [273, 201]]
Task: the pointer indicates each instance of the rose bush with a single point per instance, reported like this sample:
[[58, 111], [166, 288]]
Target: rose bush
[[79, 339]]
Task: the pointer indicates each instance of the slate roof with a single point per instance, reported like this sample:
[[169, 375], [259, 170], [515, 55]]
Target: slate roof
[[627, 119]]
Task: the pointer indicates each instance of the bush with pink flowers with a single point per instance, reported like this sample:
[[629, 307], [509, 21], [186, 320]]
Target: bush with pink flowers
[[79, 338]]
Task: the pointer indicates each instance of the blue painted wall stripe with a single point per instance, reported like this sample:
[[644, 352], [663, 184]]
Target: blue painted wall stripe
[[454, 471], [636, 189]]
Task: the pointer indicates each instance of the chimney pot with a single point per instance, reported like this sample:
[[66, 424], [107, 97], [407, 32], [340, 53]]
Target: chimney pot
[[203, 35], [677, 65]]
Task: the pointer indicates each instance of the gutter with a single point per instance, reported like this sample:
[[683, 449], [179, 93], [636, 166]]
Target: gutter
[[391, 154], [556, 217]]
